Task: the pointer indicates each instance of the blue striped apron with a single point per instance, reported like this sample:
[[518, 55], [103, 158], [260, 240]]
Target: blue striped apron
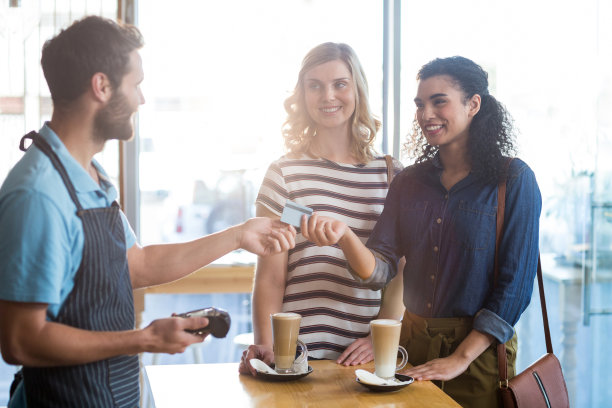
[[101, 300]]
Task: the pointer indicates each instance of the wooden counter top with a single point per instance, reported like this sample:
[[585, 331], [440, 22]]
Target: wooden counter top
[[329, 385]]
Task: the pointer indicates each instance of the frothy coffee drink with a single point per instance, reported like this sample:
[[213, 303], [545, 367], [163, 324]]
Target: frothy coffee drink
[[385, 340], [285, 330]]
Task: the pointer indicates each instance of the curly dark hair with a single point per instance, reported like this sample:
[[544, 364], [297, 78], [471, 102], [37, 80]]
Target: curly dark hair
[[491, 133]]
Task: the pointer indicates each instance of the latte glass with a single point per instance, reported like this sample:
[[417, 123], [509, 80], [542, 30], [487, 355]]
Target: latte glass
[[385, 340], [285, 331]]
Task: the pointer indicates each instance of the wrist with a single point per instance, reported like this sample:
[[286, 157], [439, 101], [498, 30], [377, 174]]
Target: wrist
[[345, 238], [262, 342], [462, 360], [143, 342], [236, 232]]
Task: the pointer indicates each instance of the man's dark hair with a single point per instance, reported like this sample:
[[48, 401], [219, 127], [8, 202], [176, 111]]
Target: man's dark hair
[[91, 45]]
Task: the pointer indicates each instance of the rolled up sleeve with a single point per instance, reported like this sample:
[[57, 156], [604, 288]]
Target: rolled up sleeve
[[382, 274], [488, 322]]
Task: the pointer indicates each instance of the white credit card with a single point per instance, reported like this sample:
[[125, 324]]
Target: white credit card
[[292, 213]]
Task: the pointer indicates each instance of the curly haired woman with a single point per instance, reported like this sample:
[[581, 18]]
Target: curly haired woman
[[440, 214]]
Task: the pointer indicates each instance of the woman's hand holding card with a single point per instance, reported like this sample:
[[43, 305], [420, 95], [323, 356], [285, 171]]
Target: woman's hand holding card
[[322, 230]]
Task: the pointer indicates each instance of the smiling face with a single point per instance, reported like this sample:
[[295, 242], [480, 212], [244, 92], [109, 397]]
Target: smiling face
[[329, 95], [114, 120], [442, 112]]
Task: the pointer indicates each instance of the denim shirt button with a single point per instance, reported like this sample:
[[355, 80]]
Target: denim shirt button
[[433, 277], [429, 305], [435, 249], [439, 220]]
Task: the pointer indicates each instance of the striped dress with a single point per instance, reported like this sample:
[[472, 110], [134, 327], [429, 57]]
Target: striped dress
[[335, 309]]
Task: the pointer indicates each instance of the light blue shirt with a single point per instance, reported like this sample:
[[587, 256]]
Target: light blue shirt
[[41, 239]]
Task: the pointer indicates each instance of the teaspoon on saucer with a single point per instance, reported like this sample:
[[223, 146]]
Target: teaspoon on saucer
[[261, 366], [371, 378]]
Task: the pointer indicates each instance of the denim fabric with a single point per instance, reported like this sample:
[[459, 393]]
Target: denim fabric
[[448, 239]]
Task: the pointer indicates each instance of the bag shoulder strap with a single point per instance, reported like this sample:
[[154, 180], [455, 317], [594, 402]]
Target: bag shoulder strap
[[501, 348], [390, 168], [502, 363], [549, 348], [501, 210]]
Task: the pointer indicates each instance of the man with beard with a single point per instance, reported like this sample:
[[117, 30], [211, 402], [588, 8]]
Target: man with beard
[[68, 257]]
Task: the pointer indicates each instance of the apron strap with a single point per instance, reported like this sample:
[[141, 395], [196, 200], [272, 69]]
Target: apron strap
[[18, 379], [48, 151]]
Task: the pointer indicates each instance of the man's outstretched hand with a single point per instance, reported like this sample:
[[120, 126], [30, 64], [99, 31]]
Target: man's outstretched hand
[[264, 236]]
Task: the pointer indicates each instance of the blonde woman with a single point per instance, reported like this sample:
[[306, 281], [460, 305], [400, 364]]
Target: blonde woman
[[332, 168]]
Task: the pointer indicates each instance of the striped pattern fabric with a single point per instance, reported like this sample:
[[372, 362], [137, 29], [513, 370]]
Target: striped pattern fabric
[[101, 300], [335, 309]]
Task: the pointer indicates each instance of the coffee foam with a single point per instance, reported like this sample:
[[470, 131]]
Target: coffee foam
[[386, 322], [286, 315]]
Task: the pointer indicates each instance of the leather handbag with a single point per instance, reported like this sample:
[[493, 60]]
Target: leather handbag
[[542, 383]]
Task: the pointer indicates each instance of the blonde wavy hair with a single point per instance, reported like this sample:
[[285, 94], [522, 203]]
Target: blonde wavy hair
[[299, 129]]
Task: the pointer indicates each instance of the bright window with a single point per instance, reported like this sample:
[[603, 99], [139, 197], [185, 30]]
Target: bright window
[[25, 102], [216, 77]]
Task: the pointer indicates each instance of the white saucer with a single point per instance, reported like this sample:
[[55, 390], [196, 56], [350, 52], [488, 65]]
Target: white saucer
[[400, 381], [282, 377]]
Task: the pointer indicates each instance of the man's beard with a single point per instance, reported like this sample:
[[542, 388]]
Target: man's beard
[[114, 121]]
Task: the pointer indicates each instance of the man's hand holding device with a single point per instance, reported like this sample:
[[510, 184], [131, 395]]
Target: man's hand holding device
[[218, 321]]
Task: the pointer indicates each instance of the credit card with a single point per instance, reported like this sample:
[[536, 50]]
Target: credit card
[[292, 213]]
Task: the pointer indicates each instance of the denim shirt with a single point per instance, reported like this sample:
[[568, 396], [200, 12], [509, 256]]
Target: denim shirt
[[448, 239]]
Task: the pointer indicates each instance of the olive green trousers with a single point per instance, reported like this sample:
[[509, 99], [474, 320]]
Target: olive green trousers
[[428, 338]]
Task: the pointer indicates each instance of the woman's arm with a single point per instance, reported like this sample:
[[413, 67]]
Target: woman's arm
[[518, 256], [268, 292], [447, 368], [328, 231], [393, 296], [384, 240]]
